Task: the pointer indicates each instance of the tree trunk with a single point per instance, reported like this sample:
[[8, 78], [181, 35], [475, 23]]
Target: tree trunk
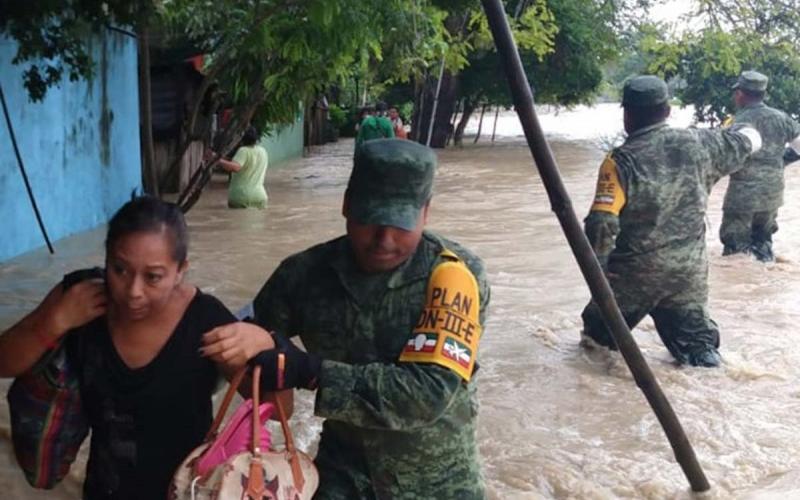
[[444, 110], [419, 110], [494, 128], [455, 24], [149, 174], [458, 136], [480, 124], [454, 120]]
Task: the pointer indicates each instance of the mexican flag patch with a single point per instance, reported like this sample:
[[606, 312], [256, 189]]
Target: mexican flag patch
[[422, 342]]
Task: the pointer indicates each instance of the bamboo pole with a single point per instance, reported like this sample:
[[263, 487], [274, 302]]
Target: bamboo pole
[[595, 278]]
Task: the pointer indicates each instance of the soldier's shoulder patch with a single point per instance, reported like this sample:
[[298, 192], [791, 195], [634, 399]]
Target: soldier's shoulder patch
[[609, 196], [448, 330], [728, 121]]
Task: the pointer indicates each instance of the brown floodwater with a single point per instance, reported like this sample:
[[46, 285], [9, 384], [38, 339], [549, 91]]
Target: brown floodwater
[[554, 422]]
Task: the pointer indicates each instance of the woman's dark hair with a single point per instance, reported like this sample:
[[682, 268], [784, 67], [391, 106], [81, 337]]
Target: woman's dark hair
[[250, 136], [150, 215]]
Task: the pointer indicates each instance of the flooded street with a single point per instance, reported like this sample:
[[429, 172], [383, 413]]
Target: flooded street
[[554, 421]]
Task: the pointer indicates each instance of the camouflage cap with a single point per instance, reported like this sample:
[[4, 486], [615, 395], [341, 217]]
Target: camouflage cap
[[391, 181], [752, 80], [646, 90]]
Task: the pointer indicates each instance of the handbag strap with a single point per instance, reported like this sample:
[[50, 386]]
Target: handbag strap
[[255, 481], [226, 402], [255, 487], [255, 444], [294, 456]]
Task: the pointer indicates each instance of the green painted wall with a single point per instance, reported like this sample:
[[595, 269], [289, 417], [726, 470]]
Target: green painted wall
[[285, 142]]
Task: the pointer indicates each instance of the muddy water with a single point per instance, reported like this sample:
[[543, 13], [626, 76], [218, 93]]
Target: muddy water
[[554, 422]]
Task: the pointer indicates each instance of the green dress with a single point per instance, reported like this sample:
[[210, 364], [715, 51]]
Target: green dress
[[247, 185]]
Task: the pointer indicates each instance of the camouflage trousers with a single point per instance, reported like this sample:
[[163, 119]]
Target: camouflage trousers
[[680, 315], [749, 232]]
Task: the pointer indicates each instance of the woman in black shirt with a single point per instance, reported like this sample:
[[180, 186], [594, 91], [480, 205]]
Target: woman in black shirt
[[145, 371]]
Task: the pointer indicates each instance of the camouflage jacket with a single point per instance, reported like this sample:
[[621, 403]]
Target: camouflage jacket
[[759, 186], [395, 430], [649, 210]]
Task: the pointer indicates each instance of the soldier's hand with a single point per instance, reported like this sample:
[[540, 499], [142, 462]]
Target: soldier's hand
[[300, 369]]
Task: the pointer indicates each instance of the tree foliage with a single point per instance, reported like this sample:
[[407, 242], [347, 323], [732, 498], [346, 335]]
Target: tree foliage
[[734, 36], [52, 35], [265, 56], [284, 49], [564, 45]]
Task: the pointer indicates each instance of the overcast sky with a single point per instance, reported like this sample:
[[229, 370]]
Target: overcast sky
[[670, 10]]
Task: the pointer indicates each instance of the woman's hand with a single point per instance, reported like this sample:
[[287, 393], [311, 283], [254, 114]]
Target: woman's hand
[[25, 342], [75, 307], [234, 344]]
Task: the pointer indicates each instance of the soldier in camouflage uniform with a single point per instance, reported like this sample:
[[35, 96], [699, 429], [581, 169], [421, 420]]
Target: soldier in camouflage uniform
[[392, 429], [647, 222], [756, 192]]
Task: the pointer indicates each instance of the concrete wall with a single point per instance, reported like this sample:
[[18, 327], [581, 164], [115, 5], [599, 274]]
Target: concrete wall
[[285, 142], [80, 147]]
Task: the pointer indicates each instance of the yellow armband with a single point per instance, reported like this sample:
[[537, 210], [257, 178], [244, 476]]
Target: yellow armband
[[448, 330], [609, 195], [728, 121]]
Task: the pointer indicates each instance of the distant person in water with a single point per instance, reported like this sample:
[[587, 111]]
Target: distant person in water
[[248, 169], [375, 126], [397, 123]]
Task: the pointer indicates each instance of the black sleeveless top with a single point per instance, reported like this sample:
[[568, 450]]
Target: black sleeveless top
[[145, 421]]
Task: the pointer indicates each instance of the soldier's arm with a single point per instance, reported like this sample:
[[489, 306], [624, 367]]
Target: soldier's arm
[[729, 148], [602, 224], [394, 396], [401, 396]]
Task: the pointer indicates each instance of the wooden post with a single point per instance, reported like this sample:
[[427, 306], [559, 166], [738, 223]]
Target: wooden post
[[587, 261]]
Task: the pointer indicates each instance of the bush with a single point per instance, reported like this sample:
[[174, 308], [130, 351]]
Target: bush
[[337, 116]]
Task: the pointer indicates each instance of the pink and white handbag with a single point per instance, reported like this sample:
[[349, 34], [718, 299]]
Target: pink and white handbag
[[238, 464]]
